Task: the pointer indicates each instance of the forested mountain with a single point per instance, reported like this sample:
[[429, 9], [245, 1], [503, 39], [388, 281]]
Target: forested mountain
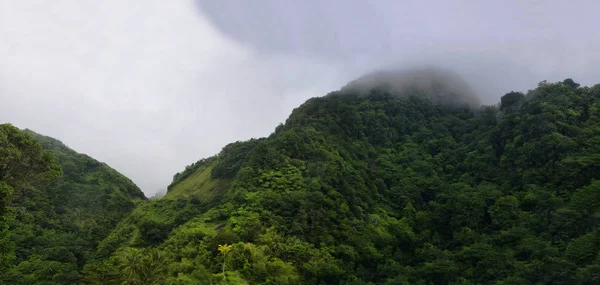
[[54, 227], [371, 184], [384, 186]]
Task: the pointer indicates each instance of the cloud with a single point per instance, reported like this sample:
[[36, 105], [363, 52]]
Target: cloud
[[496, 46], [146, 86], [151, 86], [441, 86]]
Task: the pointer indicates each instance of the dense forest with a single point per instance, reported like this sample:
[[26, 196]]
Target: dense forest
[[53, 225], [361, 186]]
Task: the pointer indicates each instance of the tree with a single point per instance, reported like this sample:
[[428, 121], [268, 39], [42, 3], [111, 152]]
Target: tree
[[224, 249], [142, 267], [511, 101], [569, 82], [22, 161]]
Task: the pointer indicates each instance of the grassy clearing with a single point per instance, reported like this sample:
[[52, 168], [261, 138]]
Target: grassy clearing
[[199, 185]]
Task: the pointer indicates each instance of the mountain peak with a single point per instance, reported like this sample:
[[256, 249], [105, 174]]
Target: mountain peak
[[441, 86]]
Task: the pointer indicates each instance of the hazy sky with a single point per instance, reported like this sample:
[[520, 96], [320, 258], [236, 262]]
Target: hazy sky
[[151, 86]]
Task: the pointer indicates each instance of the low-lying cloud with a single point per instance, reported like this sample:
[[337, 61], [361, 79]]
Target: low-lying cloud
[[439, 85], [151, 86], [146, 86], [495, 46]]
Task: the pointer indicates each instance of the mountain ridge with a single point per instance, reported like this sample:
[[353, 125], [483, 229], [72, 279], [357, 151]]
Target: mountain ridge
[[58, 224], [375, 186]]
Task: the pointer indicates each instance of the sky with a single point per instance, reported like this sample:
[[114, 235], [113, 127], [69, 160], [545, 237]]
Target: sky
[[151, 86]]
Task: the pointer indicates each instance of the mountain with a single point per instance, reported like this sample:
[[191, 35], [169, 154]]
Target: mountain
[[397, 178], [379, 185], [57, 225], [440, 86]]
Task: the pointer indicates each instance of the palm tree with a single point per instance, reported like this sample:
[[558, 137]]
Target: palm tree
[[130, 261], [224, 249], [143, 267], [153, 268]]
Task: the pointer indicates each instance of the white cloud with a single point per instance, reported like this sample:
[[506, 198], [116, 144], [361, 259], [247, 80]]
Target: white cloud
[[146, 86], [151, 86]]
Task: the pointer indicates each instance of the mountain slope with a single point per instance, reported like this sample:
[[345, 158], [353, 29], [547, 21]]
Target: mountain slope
[[57, 225], [377, 186]]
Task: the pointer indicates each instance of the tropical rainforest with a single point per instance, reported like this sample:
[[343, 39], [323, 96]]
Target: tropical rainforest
[[377, 185]]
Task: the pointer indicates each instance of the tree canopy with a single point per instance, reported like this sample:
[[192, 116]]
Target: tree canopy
[[56, 216], [371, 187]]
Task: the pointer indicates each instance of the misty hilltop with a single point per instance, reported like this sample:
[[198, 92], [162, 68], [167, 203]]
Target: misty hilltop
[[377, 186], [372, 184], [439, 85]]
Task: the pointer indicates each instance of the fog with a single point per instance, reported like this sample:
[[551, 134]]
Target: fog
[[441, 86], [151, 86], [495, 46]]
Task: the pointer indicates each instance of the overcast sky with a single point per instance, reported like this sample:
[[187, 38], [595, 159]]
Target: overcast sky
[[151, 86]]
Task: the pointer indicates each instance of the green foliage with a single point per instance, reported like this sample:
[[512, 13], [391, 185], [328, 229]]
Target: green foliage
[[144, 267], [22, 159], [22, 162], [57, 225], [230, 158], [374, 188], [365, 188], [189, 170], [511, 102], [199, 187]]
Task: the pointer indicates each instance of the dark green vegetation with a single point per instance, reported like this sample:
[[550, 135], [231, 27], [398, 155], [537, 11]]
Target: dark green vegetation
[[54, 226], [374, 187], [22, 161]]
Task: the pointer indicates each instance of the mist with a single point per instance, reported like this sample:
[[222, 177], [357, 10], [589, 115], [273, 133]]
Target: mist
[[439, 85], [147, 88], [150, 87], [496, 47]]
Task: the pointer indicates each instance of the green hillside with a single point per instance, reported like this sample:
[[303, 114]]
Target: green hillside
[[376, 183], [56, 226], [379, 187], [198, 184]]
